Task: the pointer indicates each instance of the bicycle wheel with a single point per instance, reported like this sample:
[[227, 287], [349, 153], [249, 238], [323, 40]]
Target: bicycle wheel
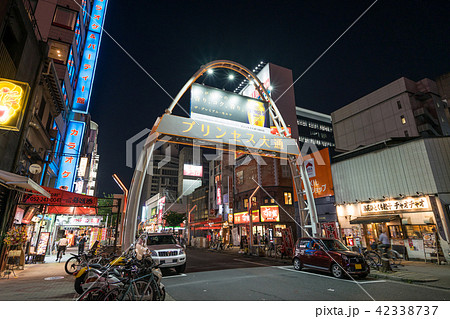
[[72, 265], [143, 290], [93, 294], [371, 262], [374, 256], [117, 294], [394, 257]]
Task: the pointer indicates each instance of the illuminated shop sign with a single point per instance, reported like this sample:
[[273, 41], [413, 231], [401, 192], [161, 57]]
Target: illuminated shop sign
[[420, 203], [161, 205], [82, 167], [270, 214], [69, 160], [242, 218], [13, 98], [193, 170], [78, 221], [225, 107], [89, 60]]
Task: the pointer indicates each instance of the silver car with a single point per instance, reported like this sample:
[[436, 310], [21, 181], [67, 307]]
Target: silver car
[[166, 251]]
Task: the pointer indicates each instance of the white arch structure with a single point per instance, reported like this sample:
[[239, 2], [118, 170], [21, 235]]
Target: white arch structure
[[296, 164]]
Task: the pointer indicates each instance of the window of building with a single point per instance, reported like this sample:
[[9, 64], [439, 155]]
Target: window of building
[[287, 198], [41, 110], [65, 18], [285, 171], [403, 119], [240, 177], [58, 51], [399, 105], [245, 202]]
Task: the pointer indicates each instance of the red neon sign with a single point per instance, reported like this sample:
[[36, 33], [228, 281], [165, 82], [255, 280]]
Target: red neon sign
[[242, 218], [270, 214]]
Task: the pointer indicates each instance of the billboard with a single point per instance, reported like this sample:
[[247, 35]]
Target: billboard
[[270, 214], [70, 156], [319, 172], [89, 60], [192, 170], [13, 99], [224, 107]]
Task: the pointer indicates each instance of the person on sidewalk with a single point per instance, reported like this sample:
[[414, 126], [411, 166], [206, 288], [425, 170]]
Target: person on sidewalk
[[385, 242], [62, 244], [81, 243]]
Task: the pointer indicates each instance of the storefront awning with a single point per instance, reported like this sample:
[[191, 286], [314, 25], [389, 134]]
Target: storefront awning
[[374, 219], [21, 183]]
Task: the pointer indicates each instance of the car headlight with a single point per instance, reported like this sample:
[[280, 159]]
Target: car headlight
[[345, 258], [154, 254], [181, 251]]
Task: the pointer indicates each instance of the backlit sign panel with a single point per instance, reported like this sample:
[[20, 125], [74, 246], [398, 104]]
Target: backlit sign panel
[[270, 214], [219, 106], [420, 203], [70, 156], [193, 170], [13, 98], [242, 218], [89, 60]]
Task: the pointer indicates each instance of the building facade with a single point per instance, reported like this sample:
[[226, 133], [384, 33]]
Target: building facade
[[400, 187], [403, 108]]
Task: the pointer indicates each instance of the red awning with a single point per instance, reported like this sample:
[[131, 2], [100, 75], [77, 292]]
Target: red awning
[[58, 197]]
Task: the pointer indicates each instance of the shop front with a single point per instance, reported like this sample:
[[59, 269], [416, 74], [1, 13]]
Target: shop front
[[412, 225]]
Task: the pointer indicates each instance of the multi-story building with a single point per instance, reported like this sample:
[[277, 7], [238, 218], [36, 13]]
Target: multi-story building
[[314, 128], [403, 108]]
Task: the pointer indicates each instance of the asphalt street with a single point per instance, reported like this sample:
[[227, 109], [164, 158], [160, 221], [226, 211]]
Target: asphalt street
[[229, 277]]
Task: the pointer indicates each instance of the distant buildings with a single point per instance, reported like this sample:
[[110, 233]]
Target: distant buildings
[[403, 108]]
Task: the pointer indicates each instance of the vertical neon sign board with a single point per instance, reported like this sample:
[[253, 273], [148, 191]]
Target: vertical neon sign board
[[71, 154], [89, 60]]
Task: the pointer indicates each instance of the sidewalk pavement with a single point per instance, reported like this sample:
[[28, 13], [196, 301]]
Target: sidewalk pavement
[[417, 272]]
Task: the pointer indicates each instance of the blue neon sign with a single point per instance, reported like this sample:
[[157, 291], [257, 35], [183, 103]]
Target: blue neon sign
[[89, 60], [70, 156]]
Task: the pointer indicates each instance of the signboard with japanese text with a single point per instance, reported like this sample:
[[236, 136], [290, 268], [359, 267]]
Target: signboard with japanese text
[[42, 243], [161, 205], [270, 214], [193, 170], [78, 221], [420, 203], [330, 230], [318, 168], [220, 106], [59, 198], [13, 100], [89, 59], [242, 217], [212, 135], [70, 156]]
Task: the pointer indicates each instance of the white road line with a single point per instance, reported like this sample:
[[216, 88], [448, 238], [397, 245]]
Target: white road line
[[251, 262], [175, 276], [288, 268]]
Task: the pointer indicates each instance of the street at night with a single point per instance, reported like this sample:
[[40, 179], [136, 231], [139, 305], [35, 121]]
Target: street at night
[[293, 152]]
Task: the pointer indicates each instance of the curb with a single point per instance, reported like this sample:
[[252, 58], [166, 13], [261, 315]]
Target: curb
[[410, 277]]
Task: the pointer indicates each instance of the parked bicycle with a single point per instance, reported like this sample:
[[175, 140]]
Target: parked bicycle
[[373, 257]]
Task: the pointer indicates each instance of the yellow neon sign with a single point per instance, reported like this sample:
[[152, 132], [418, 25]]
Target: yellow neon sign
[[13, 96]]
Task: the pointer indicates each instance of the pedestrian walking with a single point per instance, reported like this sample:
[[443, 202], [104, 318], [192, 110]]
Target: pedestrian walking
[[385, 242], [81, 243], [62, 244]]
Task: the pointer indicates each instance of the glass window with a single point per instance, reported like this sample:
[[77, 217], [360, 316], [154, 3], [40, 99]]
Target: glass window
[[58, 51], [287, 198], [403, 119], [240, 177], [65, 18], [399, 105], [285, 171], [416, 231], [245, 202]]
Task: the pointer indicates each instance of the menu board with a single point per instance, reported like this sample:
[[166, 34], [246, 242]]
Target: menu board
[[42, 243]]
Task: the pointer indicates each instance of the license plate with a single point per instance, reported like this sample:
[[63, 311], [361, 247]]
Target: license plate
[[358, 266]]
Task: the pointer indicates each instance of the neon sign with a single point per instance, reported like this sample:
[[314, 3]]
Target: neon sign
[[270, 214], [71, 154], [89, 60], [13, 96]]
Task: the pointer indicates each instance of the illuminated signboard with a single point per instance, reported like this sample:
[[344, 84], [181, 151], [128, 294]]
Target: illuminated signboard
[[69, 160], [82, 167], [264, 78], [420, 203], [242, 218], [161, 205], [193, 170], [89, 60], [13, 98], [227, 108], [270, 214]]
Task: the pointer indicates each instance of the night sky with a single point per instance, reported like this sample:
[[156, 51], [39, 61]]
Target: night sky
[[172, 39]]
